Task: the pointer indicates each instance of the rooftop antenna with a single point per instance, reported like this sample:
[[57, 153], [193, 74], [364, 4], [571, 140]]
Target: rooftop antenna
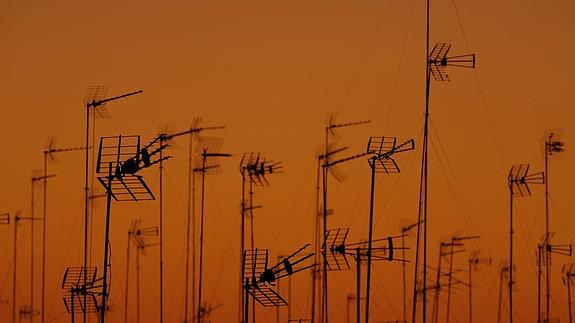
[[258, 276], [405, 231], [210, 154], [137, 235], [95, 102], [50, 154], [17, 219], [437, 62], [455, 239], [475, 259], [34, 180], [80, 287], [254, 169], [194, 134], [553, 147], [120, 159], [336, 251], [568, 271], [518, 180], [445, 249], [504, 274], [330, 129]]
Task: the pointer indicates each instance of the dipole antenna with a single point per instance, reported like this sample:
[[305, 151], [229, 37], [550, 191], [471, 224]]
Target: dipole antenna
[[95, 102], [49, 155], [254, 169], [553, 148], [518, 181], [34, 180], [568, 271], [436, 63], [330, 130], [210, 153], [475, 259], [120, 158], [194, 134]]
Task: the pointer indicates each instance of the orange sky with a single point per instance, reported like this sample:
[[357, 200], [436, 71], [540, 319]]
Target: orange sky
[[271, 72]]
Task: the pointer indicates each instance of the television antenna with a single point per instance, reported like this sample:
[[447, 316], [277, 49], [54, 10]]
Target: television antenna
[[254, 169], [138, 236], [445, 249], [504, 274], [475, 259], [518, 181], [336, 252], [554, 147], [259, 277], [568, 271], [437, 63], [120, 158], [210, 152], [50, 154], [194, 134], [95, 102], [79, 285]]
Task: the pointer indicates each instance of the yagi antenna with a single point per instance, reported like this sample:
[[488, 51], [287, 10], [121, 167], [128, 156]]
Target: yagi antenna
[[438, 60]]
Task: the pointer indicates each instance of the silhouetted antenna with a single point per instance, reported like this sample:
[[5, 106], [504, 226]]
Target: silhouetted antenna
[[80, 287], [475, 259], [94, 101], [439, 60], [258, 277], [50, 155], [553, 147], [121, 158], [445, 249], [518, 181], [168, 137], [504, 274], [138, 236], [211, 153], [568, 271], [328, 156], [255, 170]]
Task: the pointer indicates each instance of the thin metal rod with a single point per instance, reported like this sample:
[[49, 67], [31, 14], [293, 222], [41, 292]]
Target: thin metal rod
[[106, 247], [201, 239], [404, 279], [86, 208], [370, 240], [317, 242], [161, 231], [127, 278], [32, 253], [242, 246], [539, 272], [500, 297], [358, 285], [569, 298], [138, 250], [470, 294], [437, 286], [14, 267], [449, 280], [325, 307], [44, 224], [510, 255], [252, 237], [547, 253], [246, 300], [188, 224]]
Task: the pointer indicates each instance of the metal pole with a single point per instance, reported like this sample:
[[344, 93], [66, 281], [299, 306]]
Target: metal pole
[[86, 209], [44, 220], [138, 250], [325, 281], [539, 283], [106, 243], [435, 317], [449, 284], [252, 237], [404, 278], [317, 243], [161, 232], [127, 279], [470, 294], [190, 210], [358, 286], [32, 254], [370, 240], [201, 237], [242, 247], [16, 219], [569, 298], [511, 255], [246, 300], [547, 253]]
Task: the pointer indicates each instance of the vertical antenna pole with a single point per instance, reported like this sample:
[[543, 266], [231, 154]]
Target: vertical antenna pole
[[358, 286], [201, 237], [435, 317], [252, 237], [161, 231], [404, 279], [547, 253], [325, 281], [187, 274], [569, 298], [370, 239], [86, 197], [510, 255], [316, 218], [242, 247], [138, 285], [246, 300], [32, 253], [500, 296], [470, 295], [539, 283], [15, 251], [44, 220], [106, 243], [449, 283], [127, 278]]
